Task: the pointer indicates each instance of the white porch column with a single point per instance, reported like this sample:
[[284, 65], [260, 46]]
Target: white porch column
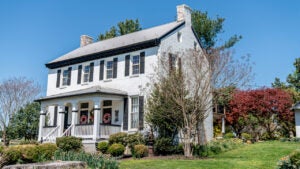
[[97, 110], [60, 120], [42, 123], [223, 125], [74, 117]]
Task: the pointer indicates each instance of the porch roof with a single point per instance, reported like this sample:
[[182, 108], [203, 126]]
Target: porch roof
[[91, 90]]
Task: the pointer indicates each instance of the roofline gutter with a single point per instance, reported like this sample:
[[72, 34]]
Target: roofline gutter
[[81, 94]]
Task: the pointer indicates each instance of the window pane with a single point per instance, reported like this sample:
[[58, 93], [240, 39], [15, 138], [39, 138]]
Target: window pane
[[65, 77], [84, 105], [135, 59], [86, 73], [134, 112], [109, 65], [135, 69]]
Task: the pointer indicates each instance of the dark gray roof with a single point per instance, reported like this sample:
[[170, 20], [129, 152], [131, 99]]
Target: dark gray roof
[[120, 41], [91, 90]]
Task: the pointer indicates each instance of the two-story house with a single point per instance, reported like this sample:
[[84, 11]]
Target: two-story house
[[99, 88]]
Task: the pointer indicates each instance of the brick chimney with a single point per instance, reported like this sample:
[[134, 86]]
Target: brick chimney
[[85, 40], [184, 14]]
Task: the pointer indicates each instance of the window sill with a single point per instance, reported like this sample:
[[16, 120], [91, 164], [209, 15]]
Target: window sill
[[133, 76], [107, 80], [83, 84], [63, 87]]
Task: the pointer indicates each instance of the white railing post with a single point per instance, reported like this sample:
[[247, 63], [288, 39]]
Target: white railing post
[[41, 125], [97, 111]]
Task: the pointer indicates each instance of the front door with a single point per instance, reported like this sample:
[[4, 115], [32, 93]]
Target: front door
[[106, 119], [66, 117]]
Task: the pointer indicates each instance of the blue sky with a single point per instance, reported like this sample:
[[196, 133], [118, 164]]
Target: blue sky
[[34, 32]]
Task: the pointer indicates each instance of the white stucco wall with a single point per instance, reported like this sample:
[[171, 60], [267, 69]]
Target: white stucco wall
[[131, 84]]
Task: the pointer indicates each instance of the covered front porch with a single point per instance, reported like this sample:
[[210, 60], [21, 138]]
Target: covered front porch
[[92, 115]]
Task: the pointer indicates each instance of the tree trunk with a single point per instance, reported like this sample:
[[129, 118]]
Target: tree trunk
[[187, 143], [4, 137]]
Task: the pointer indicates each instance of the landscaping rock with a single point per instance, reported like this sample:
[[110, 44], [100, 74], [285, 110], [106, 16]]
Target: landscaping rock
[[50, 165]]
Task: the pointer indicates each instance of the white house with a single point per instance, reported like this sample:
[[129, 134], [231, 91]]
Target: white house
[[99, 88]]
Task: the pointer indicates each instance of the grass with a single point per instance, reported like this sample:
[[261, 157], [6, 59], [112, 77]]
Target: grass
[[263, 155]]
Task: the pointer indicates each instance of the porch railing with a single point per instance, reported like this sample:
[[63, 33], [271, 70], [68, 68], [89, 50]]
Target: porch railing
[[52, 134], [106, 130], [84, 131], [68, 132]]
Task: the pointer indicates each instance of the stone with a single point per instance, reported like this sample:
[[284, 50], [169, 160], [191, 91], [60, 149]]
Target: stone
[[50, 165]]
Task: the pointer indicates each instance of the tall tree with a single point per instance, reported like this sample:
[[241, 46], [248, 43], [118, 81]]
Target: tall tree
[[186, 94], [124, 27], [25, 123], [14, 94]]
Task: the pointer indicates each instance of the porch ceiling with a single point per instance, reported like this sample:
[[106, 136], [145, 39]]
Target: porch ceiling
[[91, 90]]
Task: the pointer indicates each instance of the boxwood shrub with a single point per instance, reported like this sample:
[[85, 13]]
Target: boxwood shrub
[[102, 146], [116, 149], [140, 151], [69, 143]]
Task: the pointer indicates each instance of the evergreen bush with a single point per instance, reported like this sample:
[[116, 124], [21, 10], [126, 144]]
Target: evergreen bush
[[69, 143]]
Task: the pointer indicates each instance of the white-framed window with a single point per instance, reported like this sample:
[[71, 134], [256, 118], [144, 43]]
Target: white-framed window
[[86, 73], [65, 77], [134, 115], [109, 69], [86, 115], [135, 64]]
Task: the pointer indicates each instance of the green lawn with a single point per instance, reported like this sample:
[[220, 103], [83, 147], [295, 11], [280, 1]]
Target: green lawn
[[255, 156]]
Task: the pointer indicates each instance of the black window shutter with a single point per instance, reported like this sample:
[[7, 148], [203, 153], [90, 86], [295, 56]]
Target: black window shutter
[[101, 69], [141, 112], [91, 71], [58, 78], [142, 62], [127, 64], [125, 116], [69, 76], [79, 74], [55, 116], [115, 68]]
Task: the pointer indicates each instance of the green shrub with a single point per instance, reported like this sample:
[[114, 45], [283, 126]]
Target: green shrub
[[140, 151], [284, 139], [179, 149], [102, 146], [92, 160], [69, 143], [229, 135], [290, 162], [163, 146], [1, 149], [116, 149], [46, 151], [216, 149], [118, 138], [28, 142], [295, 139], [29, 152], [201, 150], [12, 154], [246, 136], [134, 139]]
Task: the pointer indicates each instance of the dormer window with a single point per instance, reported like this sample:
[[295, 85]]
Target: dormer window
[[135, 65]]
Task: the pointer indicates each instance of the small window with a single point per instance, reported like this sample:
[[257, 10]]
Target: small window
[[65, 77], [86, 73], [134, 112], [109, 70], [135, 64], [179, 37], [84, 105], [116, 115]]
